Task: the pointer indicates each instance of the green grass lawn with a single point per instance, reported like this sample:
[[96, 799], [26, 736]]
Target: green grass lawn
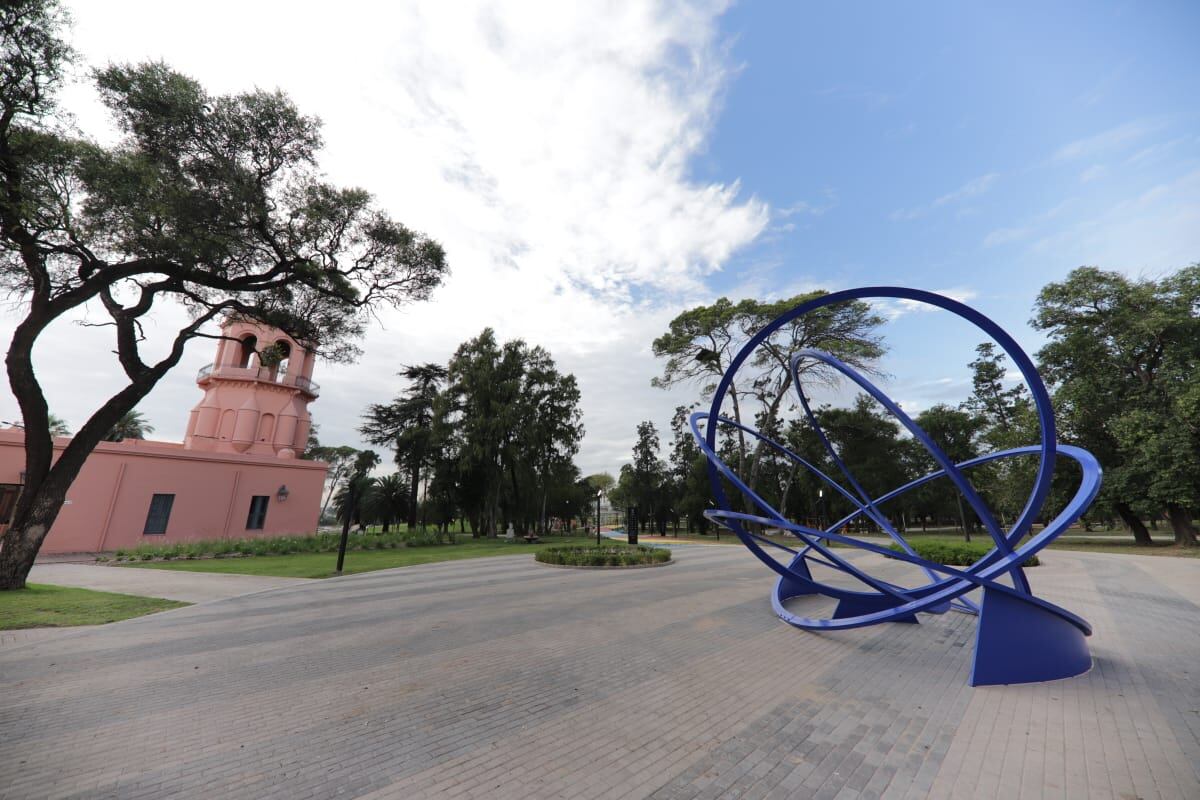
[[321, 565], [1085, 546], [43, 606]]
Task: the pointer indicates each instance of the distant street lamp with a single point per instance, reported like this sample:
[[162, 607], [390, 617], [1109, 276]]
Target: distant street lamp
[[598, 493], [821, 496]]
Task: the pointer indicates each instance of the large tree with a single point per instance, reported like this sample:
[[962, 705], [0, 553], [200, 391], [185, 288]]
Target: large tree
[[956, 432], [505, 432], [406, 425], [208, 204], [1124, 356], [649, 473], [700, 344]]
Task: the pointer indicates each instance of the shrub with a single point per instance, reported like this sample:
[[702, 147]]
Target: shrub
[[605, 555], [958, 554], [282, 545]]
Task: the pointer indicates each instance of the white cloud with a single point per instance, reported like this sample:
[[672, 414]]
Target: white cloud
[[1111, 139], [547, 146], [894, 309], [1152, 233], [1093, 173], [805, 208], [1004, 236], [972, 188]]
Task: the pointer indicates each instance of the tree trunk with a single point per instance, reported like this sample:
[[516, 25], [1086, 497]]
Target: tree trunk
[[963, 518], [31, 521], [543, 530], [769, 424], [1141, 536], [414, 483], [1181, 523]]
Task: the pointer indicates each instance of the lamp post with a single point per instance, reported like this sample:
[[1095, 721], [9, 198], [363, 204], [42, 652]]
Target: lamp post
[[598, 493], [351, 500], [821, 497]]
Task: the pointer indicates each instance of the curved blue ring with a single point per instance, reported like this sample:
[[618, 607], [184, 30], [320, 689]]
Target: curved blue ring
[[1002, 558]]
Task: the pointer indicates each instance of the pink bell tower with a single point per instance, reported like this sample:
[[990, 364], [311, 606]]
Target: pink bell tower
[[251, 407]]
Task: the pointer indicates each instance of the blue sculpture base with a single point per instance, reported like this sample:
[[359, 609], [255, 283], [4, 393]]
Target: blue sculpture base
[[788, 587], [1022, 642]]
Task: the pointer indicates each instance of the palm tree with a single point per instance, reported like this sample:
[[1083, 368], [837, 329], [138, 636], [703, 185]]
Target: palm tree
[[363, 487], [388, 499], [58, 425], [131, 426]]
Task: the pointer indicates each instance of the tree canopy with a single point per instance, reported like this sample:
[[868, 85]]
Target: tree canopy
[[212, 204]]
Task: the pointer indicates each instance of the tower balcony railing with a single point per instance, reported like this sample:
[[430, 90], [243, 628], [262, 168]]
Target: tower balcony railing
[[264, 374]]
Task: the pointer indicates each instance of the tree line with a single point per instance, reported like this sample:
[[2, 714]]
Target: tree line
[[1121, 360], [486, 440]]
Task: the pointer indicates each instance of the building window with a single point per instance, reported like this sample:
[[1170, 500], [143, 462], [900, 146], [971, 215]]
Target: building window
[[258, 512], [8, 499], [160, 512]]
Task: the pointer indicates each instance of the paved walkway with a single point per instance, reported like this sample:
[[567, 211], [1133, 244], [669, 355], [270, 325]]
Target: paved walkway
[[497, 678], [170, 584]]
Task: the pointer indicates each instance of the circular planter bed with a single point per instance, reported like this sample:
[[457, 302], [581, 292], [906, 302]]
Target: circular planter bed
[[605, 556]]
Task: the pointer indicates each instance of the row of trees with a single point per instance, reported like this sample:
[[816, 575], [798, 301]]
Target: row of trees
[[490, 436], [1122, 362]]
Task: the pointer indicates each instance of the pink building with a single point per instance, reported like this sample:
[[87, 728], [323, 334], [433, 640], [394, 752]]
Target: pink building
[[235, 475]]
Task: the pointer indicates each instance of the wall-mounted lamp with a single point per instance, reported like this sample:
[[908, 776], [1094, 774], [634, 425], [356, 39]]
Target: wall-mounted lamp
[[283, 493]]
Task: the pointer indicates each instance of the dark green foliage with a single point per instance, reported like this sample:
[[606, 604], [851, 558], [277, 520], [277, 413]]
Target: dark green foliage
[[281, 545], [1124, 357], [406, 425], [508, 426], [131, 426], [606, 555]]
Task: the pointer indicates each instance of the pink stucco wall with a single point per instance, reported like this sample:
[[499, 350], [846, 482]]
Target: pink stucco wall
[[107, 505]]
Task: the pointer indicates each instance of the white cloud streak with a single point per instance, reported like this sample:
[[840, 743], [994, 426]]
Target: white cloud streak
[[1106, 141]]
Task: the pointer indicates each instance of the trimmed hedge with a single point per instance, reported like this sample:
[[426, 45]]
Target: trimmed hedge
[[960, 554], [280, 545], [605, 555]]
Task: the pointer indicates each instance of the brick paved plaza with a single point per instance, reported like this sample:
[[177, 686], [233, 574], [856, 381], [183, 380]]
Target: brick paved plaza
[[501, 678]]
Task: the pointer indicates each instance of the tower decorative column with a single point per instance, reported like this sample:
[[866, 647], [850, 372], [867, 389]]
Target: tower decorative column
[[250, 407]]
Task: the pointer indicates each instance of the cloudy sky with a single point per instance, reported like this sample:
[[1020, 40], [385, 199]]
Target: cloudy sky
[[594, 168]]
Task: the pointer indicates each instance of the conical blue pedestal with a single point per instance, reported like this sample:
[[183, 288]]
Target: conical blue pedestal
[[1022, 642]]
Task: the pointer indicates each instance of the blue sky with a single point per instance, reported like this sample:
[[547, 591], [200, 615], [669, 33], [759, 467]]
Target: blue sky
[[985, 147], [595, 168], [962, 144]]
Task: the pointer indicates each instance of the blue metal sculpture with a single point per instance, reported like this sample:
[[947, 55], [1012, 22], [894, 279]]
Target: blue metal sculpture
[[1021, 638]]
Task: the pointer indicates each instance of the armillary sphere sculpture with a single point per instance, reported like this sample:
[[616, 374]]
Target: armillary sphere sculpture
[[1020, 638]]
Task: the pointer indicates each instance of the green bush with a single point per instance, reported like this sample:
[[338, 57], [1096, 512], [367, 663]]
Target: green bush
[[605, 555], [283, 545], [959, 554]]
